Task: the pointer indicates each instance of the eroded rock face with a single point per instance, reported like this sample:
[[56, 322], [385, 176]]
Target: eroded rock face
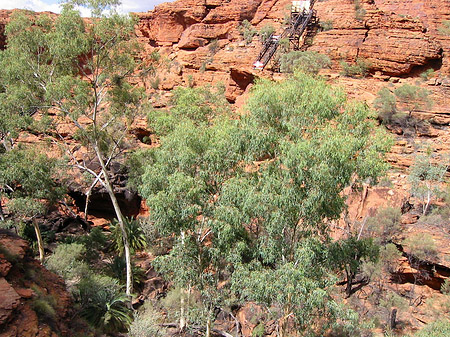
[[392, 41], [25, 281]]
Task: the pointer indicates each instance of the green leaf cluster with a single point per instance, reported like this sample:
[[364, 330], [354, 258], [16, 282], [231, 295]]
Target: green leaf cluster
[[249, 200]]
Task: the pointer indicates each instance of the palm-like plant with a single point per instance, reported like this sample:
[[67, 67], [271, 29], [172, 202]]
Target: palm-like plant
[[136, 237], [103, 305]]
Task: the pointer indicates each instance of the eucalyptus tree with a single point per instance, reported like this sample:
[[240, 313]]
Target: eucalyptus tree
[[28, 179], [78, 70], [303, 142], [249, 199], [180, 181]]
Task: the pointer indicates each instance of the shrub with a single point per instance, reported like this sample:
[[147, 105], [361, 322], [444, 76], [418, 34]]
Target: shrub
[[155, 55], [136, 237], [427, 74], [247, 31], [102, 303], [154, 83], [213, 46], [258, 331], [43, 309], [425, 178], [422, 246], [435, 329], [146, 323], [66, 261], [326, 25], [445, 28], [360, 68], [384, 225], [307, 61], [445, 287], [386, 105], [117, 269], [412, 97], [360, 12], [266, 32]]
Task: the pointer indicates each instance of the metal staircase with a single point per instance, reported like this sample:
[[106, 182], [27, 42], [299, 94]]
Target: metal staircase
[[302, 19]]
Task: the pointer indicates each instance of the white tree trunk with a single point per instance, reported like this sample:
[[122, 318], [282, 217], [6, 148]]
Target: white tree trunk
[[208, 327], [182, 299], [120, 220], [39, 240]]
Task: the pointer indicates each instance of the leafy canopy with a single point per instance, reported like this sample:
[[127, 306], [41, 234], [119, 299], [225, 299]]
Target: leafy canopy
[[250, 199]]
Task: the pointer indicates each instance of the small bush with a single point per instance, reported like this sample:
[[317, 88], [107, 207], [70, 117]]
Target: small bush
[[154, 83], [445, 287], [360, 12], [147, 323], [136, 237], [422, 246], [258, 331], [213, 46], [266, 32], [386, 105], [307, 61], [102, 303], [155, 55], [360, 68], [117, 269], [66, 261], [384, 225], [413, 98], [445, 28], [247, 31], [435, 329], [385, 182], [326, 25], [43, 309], [427, 74]]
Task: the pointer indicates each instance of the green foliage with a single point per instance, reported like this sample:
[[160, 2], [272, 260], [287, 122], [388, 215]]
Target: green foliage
[[29, 178], [427, 74], [307, 61], [245, 198], [266, 32], [393, 300], [384, 225], [407, 98], [360, 68], [247, 31], [412, 97], [348, 255], [136, 237], [117, 269], [445, 287], [422, 246], [213, 46], [258, 331], [386, 105], [43, 309], [326, 25], [66, 261], [102, 304], [53, 78], [425, 178], [147, 323], [301, 291], [155, 55], [445, 28], [154, 83], [360, 12], [436, 329], [44, 305]]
